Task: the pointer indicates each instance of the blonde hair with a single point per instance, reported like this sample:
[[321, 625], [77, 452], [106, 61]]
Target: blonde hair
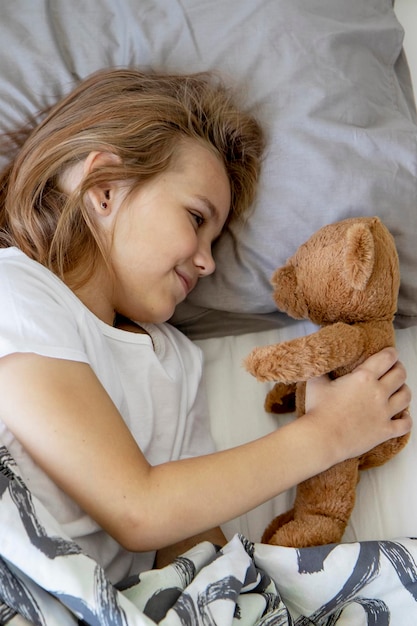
[[140, 118]]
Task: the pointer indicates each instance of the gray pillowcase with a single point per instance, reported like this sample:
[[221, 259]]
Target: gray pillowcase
[[327, 79]]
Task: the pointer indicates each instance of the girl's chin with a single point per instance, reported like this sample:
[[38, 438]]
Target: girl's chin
[[160, 317]]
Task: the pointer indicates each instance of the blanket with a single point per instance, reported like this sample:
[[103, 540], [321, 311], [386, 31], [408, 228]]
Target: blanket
[[47, 580]]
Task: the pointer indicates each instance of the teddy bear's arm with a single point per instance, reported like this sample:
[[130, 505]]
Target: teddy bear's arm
[[305, 357]]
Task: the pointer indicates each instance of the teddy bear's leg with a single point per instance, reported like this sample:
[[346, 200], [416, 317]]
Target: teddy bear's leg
[[322, 509], [276, 523], [281, 398]]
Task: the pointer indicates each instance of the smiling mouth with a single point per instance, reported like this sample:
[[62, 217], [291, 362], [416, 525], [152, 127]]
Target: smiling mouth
[[187, 283]]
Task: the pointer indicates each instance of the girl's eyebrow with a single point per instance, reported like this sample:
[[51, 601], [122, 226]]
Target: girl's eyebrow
[[214, 213]]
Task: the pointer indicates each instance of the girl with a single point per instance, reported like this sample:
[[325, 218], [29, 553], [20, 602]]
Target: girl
[[108, 215]]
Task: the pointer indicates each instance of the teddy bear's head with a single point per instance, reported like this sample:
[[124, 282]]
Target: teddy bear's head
[[347, 271]]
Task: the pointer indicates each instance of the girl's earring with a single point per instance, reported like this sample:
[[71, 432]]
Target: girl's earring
[[103, 205]]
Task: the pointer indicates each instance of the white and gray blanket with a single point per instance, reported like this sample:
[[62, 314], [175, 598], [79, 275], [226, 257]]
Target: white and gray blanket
[[46, 579]]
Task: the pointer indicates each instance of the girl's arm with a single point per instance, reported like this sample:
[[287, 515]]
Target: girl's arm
[[64, 418]]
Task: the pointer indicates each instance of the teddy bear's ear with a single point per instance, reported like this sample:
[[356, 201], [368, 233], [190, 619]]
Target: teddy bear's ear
[[359, 255]]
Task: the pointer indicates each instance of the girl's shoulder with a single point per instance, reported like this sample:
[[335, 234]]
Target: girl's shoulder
[[23, 277], [10, 257], [15, 262], [36, 295], [39, 313]]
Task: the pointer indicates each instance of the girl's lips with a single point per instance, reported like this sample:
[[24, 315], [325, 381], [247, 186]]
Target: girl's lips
[[186, 281]]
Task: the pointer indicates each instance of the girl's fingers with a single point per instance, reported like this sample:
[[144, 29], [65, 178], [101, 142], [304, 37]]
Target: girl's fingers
[[381, 362], [390, 373], [395, 378], [402, 423], [400, 400]]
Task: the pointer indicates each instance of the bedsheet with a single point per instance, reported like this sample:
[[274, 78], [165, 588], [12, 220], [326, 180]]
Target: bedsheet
[[47, 580]]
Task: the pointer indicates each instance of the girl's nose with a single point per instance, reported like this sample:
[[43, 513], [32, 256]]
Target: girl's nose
[[204, 261]]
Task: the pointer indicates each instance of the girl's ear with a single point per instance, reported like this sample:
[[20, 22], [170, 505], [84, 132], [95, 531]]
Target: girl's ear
[[101, 196]]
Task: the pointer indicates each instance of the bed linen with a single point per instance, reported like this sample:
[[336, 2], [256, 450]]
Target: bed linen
[[330, 82], [46, 579]]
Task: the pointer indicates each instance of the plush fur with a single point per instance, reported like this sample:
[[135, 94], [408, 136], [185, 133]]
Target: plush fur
[[345, 278]]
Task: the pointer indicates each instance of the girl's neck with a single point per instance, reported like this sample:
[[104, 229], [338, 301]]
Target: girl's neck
[[123, 323], [95, 294]]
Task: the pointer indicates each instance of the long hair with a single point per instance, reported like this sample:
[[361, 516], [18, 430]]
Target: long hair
[[140, 118]]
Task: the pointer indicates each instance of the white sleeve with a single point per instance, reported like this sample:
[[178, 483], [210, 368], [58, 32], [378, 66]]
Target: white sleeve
[[38, 312]]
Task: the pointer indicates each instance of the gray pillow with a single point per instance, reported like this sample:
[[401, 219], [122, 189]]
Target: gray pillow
[[327, 79]]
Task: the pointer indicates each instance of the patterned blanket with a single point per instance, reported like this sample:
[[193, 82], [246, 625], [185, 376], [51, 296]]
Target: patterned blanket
[[46, 579]]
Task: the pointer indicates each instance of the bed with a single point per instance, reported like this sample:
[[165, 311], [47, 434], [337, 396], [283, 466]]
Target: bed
[[332, 83]]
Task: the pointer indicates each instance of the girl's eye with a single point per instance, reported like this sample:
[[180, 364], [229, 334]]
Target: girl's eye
[[199, 219]]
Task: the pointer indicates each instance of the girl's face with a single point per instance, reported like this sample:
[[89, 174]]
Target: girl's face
[[160, 236]]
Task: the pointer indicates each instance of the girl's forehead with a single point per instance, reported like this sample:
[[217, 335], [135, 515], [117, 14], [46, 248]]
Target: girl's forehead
[[190, 149]]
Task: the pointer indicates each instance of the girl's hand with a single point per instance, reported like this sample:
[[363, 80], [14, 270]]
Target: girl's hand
[[356, 411]]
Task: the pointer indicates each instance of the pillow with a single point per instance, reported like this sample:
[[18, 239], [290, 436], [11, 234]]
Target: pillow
[[326, 78], [329, 81]]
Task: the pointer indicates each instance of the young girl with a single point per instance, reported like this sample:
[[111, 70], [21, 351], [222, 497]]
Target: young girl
[[108, 215]]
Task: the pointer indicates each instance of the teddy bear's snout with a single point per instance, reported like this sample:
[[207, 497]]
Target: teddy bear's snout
[[286, 293]]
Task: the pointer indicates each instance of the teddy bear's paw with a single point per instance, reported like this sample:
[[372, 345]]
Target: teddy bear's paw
[[312, 530], [255, 363], [265, 363]]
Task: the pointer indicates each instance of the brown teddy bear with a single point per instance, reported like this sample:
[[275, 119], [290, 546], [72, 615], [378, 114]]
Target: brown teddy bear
[[345, 278]]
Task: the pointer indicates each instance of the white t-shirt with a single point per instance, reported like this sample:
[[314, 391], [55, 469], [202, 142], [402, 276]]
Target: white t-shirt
[[154, 380]]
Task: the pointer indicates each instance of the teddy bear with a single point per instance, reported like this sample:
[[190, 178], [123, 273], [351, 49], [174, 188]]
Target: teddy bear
[[345, 279]]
